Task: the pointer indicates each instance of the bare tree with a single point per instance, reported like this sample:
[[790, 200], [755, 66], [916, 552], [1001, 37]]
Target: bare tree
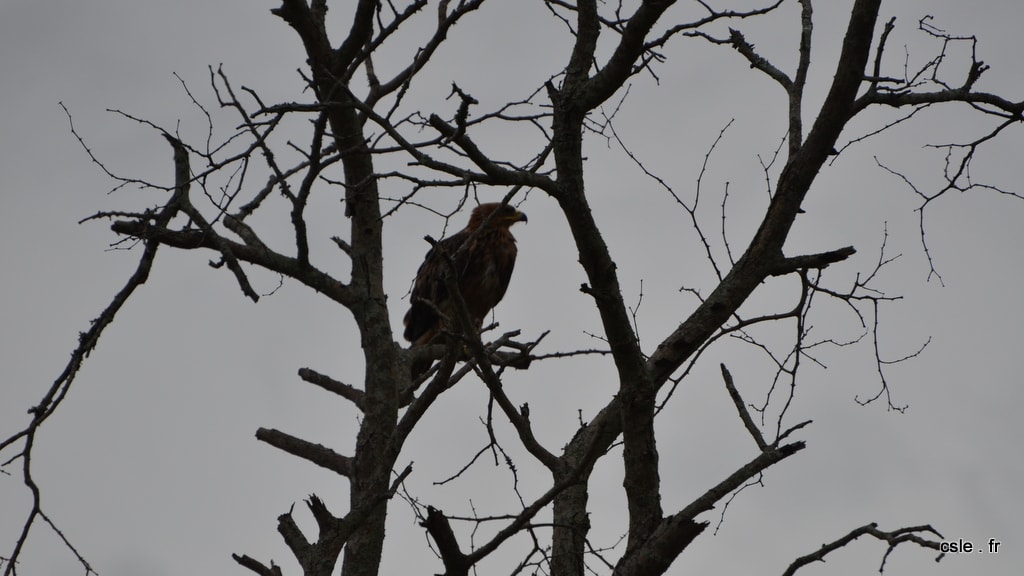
[[363, 130]]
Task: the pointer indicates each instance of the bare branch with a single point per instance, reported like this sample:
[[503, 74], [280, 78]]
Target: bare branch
[[346, 391], [316, 453], [256, 566], [675, 532], [741, 408], [692, 28], [455, 561], [445, 21], [757, 61], [812, 261], [192, 238], [87, 342], [914, 534]]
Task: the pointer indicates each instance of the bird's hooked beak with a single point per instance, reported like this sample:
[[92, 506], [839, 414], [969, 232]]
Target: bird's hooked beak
[[519, 217]]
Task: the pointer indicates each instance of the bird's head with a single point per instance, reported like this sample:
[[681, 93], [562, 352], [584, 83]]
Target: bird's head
[[503, 215]]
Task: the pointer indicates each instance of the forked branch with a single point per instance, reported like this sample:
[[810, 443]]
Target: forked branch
[[919, 535]]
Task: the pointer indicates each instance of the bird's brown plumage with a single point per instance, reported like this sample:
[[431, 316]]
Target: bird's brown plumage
[[483, 269]]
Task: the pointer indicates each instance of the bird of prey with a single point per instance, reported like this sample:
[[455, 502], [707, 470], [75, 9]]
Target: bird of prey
[[483, 254]]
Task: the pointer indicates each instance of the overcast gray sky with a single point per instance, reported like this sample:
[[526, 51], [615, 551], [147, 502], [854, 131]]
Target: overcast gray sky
[[150, 465]]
